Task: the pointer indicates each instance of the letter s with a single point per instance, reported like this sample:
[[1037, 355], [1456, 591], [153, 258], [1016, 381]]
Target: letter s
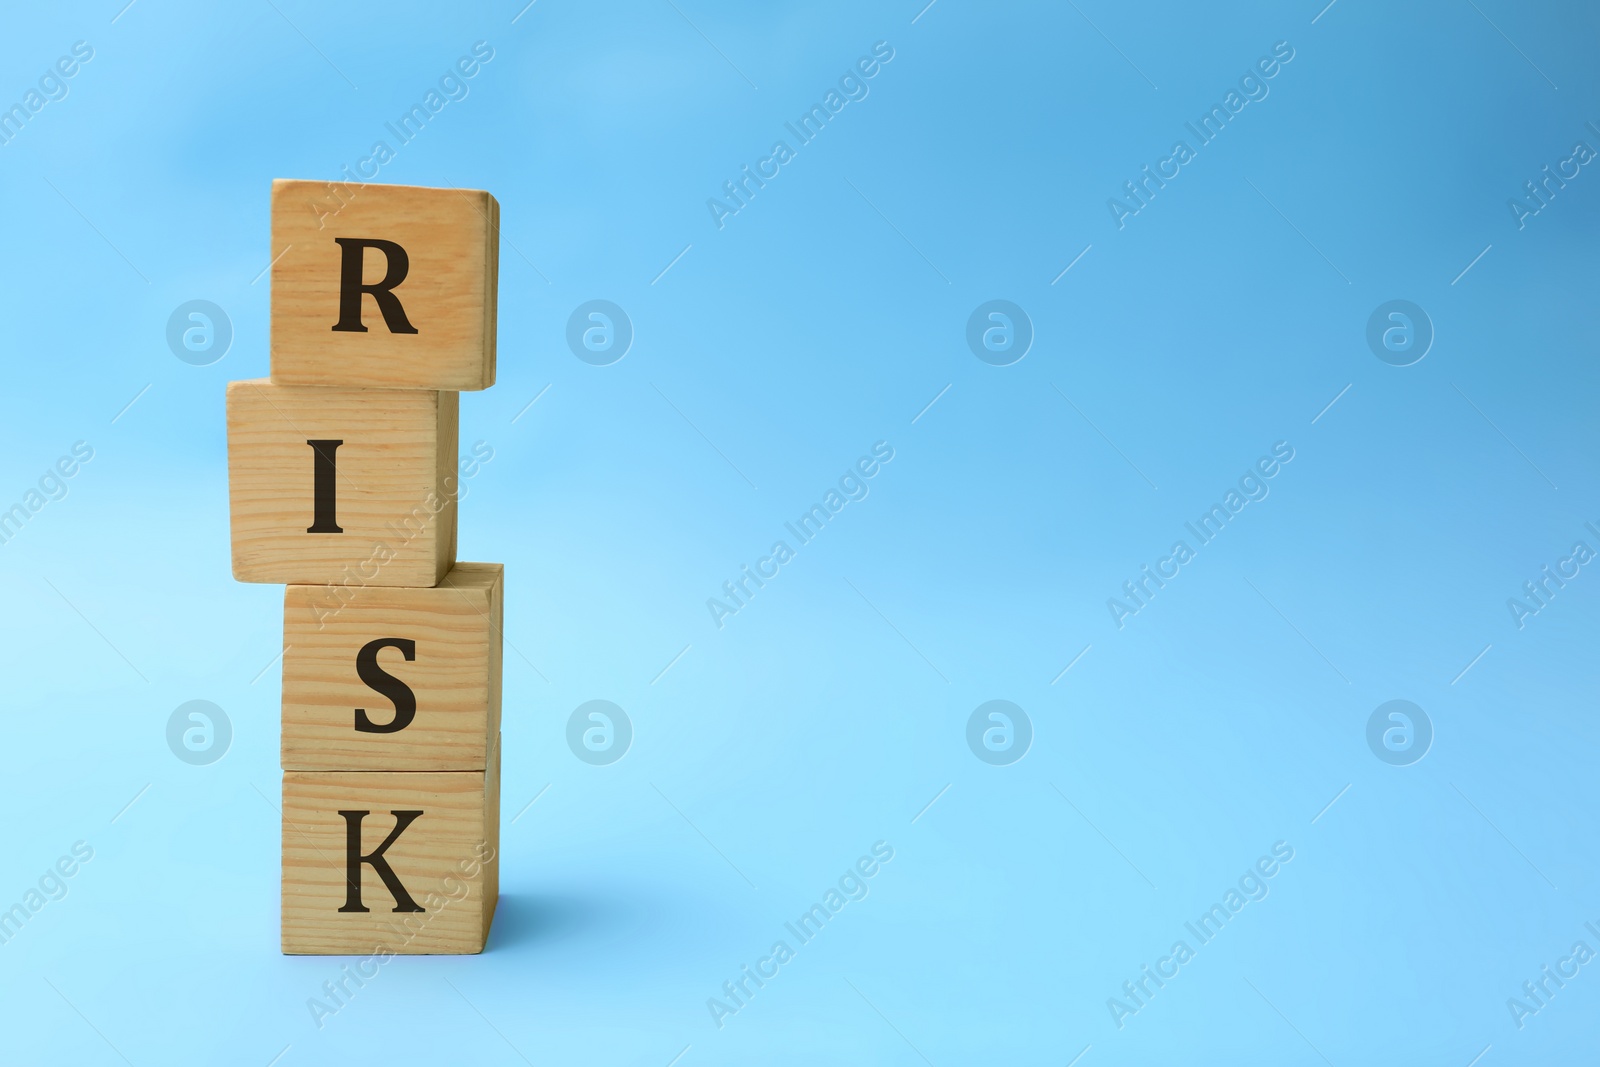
[[83, 450], [83, 50], [381, 681]]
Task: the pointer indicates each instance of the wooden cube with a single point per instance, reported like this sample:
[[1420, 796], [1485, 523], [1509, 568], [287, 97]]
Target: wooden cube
[[406, 863], [343, 487], [394, 679], [385, 286]]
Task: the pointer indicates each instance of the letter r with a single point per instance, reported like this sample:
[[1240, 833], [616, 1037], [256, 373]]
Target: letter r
[[353, 257]]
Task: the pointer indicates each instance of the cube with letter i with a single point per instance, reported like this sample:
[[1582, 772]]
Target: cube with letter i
[[338, 486]]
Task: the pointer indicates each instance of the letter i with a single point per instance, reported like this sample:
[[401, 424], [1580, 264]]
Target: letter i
[[325, 474]]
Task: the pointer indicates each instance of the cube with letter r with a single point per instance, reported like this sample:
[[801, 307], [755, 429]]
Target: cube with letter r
[[383, 286]]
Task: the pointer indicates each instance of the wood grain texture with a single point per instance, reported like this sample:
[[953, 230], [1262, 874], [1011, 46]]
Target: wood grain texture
[[447, 860], [396, 485], [454, 675], [452, 242]]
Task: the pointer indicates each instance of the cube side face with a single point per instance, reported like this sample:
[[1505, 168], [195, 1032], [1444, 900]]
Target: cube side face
[[340, 487], [393, 679], [497, 611], [447, 479], [442, 860], [491, 870], [491, 270], [383, 286], [491, 579]]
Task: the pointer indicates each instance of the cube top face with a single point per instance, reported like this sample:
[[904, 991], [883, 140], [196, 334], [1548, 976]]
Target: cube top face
[[384, 286], [394, 679], [343, 487], [401, 862]]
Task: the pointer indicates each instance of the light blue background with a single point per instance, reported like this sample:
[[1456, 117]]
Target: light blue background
[[826, 715]]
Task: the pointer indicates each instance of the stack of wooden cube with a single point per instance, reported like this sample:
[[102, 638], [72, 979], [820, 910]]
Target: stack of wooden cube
[[343, 481]]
